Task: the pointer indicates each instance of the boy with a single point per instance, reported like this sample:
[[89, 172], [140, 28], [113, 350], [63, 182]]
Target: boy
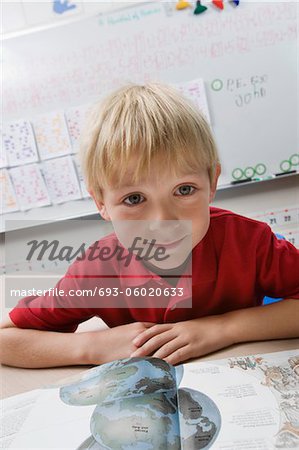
[[149, 156]]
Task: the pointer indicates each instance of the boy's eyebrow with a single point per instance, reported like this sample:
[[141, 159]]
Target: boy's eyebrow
[[129, 185], [126, 186]]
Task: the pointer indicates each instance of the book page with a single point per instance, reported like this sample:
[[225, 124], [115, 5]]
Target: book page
[[135, 396], [46, 423], [14, 412], [257, 396], [249, 402], [120, 403]]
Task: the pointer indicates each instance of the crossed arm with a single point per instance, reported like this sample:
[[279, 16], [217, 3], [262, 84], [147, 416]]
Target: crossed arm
[[174, 342], [181, 341]]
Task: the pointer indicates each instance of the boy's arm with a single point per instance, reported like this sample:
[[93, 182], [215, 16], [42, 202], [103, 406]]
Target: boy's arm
[[37, 349], [276, 321], [30, 348], [177, 342]]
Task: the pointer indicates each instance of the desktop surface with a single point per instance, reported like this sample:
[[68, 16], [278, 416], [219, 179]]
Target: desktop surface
[[17, 380]]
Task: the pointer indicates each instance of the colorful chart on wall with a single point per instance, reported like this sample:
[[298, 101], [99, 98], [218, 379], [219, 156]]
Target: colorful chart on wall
[[245, 55]]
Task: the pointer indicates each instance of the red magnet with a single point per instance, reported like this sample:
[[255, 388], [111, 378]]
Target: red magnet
[[218, 3]]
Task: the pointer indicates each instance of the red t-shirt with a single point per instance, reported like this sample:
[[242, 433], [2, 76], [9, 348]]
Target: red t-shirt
[[237, 263]]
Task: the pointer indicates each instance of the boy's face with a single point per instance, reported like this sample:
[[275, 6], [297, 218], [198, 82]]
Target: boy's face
[[162, 197]]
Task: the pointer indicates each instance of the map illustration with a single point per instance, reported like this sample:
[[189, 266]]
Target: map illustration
[[282, 378], [145, 403], [139, 405]]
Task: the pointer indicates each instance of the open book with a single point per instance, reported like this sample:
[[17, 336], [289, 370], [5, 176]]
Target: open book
[[139, 402], [249, 402]]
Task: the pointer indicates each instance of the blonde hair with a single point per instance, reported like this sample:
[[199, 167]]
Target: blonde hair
[[140, 123]]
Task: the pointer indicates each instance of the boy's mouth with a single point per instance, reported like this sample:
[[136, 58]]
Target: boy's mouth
[[172, 244]]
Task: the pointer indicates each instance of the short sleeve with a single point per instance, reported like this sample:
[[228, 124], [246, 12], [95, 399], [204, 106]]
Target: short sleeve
[[50, 312], [277, 266], [77, 296]]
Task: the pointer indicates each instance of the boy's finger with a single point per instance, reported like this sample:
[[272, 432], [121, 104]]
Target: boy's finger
[[168, 349], [148, 324], [153, 344], [179, 356], [149, 333]]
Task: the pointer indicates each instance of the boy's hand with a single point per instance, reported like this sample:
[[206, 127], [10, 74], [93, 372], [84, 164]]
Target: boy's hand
[[178, 342], [111, 344]]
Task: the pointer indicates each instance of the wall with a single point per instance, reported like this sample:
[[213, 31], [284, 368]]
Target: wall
[[244, 199]]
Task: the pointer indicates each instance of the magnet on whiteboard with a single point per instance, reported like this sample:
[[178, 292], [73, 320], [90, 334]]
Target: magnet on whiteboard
[[218, 3], [199, 8], [182, 4]]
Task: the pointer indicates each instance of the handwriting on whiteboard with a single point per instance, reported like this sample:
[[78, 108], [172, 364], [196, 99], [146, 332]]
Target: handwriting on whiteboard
[[105, 58]]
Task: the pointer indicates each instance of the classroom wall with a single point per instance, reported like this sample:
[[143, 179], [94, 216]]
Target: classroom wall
[[251, 199], [272, 194], [26, 15]]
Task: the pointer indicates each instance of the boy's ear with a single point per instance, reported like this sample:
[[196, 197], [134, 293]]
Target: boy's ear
[[101, 207], [215, 181]]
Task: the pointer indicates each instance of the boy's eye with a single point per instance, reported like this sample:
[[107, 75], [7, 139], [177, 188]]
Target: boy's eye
[[133, 199], [185, 189]]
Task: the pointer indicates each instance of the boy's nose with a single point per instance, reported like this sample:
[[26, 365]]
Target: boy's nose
[[160, 225], [164, 213], [165, 230]]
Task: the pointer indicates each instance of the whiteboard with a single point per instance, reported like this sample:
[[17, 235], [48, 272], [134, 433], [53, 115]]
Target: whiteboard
[[245, 55]]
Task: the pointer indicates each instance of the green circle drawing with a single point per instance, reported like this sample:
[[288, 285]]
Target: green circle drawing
[[237, 173], [217, 84], [260, 169], [249, 172], [285, 165], [294, 159]]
